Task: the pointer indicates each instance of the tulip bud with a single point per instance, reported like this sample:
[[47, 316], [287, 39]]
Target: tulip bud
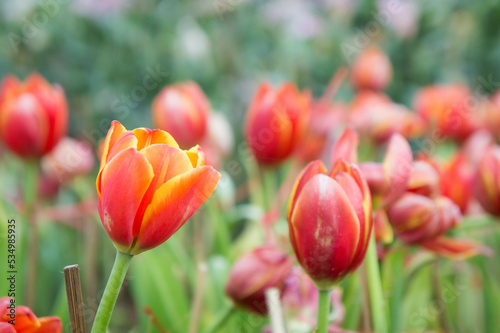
[[372, 69], [329, 218], [456, 181], [181, 110], [445, 109], [148, 188], [276, 121], [416, 218], [68, 159], [33, 115], [375, 116], [424, 179], [255, 272], [487, 181], [389, 180]]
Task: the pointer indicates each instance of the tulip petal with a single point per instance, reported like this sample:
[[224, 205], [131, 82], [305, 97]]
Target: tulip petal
[[146, 137], [397, 168], [50, 325], [312, 169], [6, 328], [457, 249], [124, 182], [173, 204], [25, 319], [324, 242], [115, 132], [197, 156], [167, 162], [346, 147]]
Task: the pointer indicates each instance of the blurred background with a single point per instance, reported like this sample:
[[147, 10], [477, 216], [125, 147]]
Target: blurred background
[[112, 57]]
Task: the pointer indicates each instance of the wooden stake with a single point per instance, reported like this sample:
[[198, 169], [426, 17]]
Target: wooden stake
[[75, 299]]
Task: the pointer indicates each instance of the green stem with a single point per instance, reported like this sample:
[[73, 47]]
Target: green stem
[[377, 305], [323, 310], [396, 276], [222, 319], [115, 281], [268, 187], [30, 192]]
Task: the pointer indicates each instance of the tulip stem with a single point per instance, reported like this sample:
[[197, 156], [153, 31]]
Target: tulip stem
[[222, 319], [323, 310], [377, 304], [115, 281], [30, 191]]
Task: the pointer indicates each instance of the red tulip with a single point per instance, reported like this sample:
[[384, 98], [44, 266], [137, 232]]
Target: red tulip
[[24, 321], [445, 108], [487, 181], [181, 110], [148, 187], [389, 180], [33, 115], [276, 121], [329, 218], [457, 177], [417, 219], [255, 272], [372, 69]]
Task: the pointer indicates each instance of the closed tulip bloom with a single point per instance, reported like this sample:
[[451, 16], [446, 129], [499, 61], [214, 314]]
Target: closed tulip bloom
[[417, 218], [33, 115], [423, 221], [372, 69], [276, 121], [182, 110], [148, 187], [330, 221], [255, 272], [25, 320], [457, 178], [487, 181]]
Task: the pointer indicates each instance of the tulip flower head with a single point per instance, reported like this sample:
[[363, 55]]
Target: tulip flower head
[[276, 121], [33, 115], [25, 320], [148, 187], [445, 109], [330, 221], [487, 181], [255, 272], [182, 110], [372, 69]]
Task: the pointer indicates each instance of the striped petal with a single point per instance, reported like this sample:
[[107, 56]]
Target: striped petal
[[173, 204], [115, 132]]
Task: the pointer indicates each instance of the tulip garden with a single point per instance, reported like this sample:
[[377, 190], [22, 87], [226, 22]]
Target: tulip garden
[[246, 166]]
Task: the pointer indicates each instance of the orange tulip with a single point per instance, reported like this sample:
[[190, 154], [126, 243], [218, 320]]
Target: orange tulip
[[276, 121], [181, 110], [372, 69], [24, 321], [148, 187], [33, 115], [255, 272], [330, 221]]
